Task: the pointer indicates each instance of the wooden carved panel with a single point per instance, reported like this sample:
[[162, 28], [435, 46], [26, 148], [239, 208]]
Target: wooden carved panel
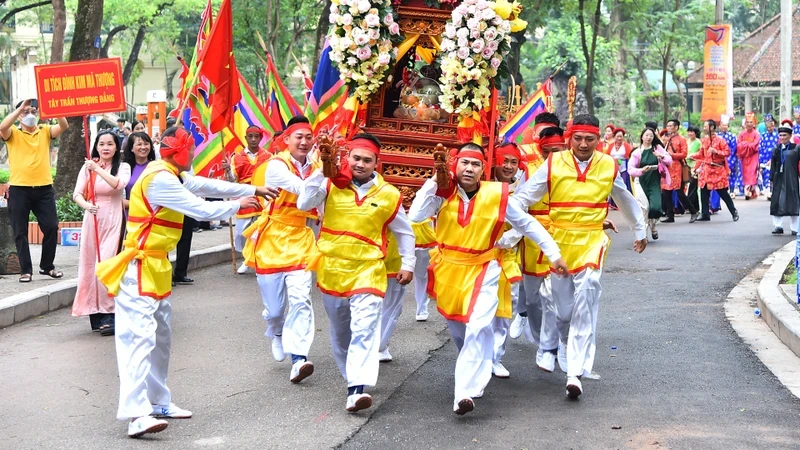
[[408, 193], [394, 148], [416, 172], [415, 128], [421, 26], [448, 132], [383, 124]]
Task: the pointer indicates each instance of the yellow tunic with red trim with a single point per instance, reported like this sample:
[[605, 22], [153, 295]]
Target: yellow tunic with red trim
[[245, 167], [393, 261], [283, 241], [424, 234], [465, 248], [534, 261], [152, 233], [578, 206], [353, 240]]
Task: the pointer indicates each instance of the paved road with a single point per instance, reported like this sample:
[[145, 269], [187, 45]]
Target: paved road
[[680, 377]]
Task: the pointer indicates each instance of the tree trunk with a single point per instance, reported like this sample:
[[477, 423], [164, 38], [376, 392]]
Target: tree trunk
[[59, 28], [560, 82], [109, 38], [589, 53], [322, 31], [9, 261], [72, 152], [514, 56], [665, 63], [133, 57]]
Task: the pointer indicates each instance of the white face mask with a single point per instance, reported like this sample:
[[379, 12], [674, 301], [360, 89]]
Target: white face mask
[[30, 120]]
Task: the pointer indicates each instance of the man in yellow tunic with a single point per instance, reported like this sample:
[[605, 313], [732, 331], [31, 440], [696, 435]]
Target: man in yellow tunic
[[360, 209], [425, 240], [278, 245], [578, 183], [465, 268], [140, 276]]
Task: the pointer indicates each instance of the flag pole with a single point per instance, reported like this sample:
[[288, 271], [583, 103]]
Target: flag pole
[[230, 221], [492, 131], [185, 100]]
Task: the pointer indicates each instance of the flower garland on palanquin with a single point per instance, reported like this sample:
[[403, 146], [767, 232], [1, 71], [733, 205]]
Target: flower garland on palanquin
[[362, 43], [476, 40]]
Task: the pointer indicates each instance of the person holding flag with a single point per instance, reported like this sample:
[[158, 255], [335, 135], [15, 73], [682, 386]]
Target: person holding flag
[[140, 276]]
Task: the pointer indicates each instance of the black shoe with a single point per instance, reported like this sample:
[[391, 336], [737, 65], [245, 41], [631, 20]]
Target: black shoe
[[735, 216], [704, 219], [214, 227], [182, 280], [197, 230], [777, 230], [693, 218], [668, 220]]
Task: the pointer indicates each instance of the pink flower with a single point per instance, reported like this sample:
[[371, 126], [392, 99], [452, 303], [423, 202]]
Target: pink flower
[[394, 28], [383, 59], [475, 34], [388, 20], [448, 45], [478, 45], [469, 63], [463, 53], [470, 2], [347, 19], [364, 53], [487, 52], [492, 45], [374, 34], [361, 39], [490, 34], [495, 63], [463, 42], [373, 20]]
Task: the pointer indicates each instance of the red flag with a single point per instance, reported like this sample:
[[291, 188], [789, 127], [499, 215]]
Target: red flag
[[219, 67], [184, 72]]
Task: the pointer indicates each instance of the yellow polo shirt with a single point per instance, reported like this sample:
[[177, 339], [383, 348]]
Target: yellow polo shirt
[[29, 157]]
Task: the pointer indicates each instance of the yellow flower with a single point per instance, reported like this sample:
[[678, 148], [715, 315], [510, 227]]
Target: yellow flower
[[503, 9], [518, 25]]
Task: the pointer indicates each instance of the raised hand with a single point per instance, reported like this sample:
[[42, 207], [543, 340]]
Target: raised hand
[[440, 163], [327, 154]]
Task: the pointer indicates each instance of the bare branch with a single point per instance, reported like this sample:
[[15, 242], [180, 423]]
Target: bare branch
[[19, 9]]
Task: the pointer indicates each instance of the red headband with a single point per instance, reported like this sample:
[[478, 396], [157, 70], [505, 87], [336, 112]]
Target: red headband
[[364, 143], [254, 128], [508, 149], [617, 130], [177, 146], [572, 129], [295, 127], [467, 153], [552, 140]]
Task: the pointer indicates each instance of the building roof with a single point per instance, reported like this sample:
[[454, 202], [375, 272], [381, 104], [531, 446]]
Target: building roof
[[757, 58]]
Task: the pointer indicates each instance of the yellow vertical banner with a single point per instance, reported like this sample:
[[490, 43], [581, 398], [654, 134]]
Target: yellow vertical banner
[[718, 73]]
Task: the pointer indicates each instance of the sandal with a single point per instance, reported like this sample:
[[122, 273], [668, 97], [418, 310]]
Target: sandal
[[106, 329], [52, 273], [25, 278]]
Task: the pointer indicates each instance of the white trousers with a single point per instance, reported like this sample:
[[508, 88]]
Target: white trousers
[[143, 338], [355, 336], [777, 222], [421, 279], [541, 312], [475, 340], [392, 307], [297, 324], [501, 327], [241, 225], [577, 299]]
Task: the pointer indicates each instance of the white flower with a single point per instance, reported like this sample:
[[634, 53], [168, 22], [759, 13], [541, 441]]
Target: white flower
[[471, 9], [482, 4], [374, 34], [495, 63], [448, 45], [460, 10], [363, 6], [334, 9], [490, 34], [488, 14], [470, 2], [478, 45], [450, 31], [463, 53], [345, 42], [361, 39], [462, 33], [505, 26], [352, 61], [384, 59], [473, 23], [347, 19], [469, 63], [373, 20], [463, 42]]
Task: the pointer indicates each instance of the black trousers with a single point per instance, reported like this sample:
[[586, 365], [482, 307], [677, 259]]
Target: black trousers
[[669, 206], [723, 194], [183, 248], [23, 200], [691, 194]]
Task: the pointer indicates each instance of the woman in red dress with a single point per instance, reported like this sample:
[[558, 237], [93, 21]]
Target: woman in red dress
[[712, 170]]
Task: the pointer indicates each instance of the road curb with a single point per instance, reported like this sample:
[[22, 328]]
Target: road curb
[[23, 306], [778, 313]]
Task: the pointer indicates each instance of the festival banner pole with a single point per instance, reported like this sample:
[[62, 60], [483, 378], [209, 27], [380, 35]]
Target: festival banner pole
[[230, 220], [492, 131], [91, 180]]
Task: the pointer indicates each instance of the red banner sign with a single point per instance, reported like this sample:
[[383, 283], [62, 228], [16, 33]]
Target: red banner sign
[[80, 88]]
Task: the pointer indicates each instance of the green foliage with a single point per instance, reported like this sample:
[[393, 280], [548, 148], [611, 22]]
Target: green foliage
[[68, 211], [5, 174]]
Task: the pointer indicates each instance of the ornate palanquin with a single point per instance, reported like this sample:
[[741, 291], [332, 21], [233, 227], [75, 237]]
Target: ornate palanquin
[[408, 144]]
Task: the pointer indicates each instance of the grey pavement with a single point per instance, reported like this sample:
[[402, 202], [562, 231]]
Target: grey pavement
[[679, 377], [67, 262]]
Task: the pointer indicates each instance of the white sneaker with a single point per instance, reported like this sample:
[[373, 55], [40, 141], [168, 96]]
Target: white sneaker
[[300, 371], [562, 356], [500, 371], [172, 411], [422, 317], [515, 330], [547, 362], [357, 402], [243, 269], [147, 424], [277, 349], [384, 356], [574, 388], [464, 406]]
